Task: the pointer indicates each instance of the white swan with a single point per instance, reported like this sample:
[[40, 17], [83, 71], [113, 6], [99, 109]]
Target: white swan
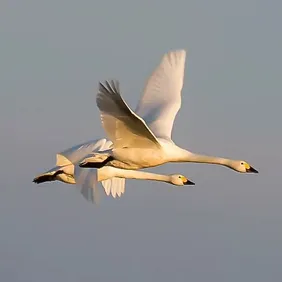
[[112, 179], [143, 139]]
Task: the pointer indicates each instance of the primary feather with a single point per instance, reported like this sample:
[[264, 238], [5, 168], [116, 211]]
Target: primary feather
[[161, 98], [123, 127]]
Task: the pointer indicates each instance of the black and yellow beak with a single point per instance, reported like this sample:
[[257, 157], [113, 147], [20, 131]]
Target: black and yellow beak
[[188, 182], [251, 170]]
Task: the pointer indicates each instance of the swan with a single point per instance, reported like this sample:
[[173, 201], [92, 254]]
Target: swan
[[142, 138], [112, 179]]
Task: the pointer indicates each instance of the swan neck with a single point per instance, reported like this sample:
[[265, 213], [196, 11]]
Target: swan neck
[[109, 172], [133, 174], [198, 158]]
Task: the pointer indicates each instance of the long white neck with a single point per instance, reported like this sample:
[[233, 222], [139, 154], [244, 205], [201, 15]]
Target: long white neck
[[186, 156], [109, 172]]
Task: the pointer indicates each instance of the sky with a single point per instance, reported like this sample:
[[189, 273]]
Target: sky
[[228, 227]]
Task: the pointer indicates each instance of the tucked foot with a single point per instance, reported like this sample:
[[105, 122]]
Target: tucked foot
[[93, 162]]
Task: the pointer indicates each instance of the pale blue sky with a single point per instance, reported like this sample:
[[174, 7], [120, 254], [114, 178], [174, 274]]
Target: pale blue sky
[[226, 228]]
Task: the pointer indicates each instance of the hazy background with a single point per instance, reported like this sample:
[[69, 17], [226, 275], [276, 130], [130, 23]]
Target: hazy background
[[226, 228]]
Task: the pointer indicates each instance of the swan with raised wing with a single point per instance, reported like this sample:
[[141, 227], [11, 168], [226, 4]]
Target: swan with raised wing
[[142, 138]]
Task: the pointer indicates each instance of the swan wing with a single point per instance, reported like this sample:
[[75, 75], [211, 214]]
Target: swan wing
[[87, 184], [123, 127], [161, 99], [74, 154], [114, 186]]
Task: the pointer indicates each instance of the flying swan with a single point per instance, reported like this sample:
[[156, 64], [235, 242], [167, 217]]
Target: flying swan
[[112, 179], [142, 138]]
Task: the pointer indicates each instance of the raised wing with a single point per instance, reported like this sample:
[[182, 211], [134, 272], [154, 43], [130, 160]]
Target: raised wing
[[76, 153], [162, 94], [123, 127]]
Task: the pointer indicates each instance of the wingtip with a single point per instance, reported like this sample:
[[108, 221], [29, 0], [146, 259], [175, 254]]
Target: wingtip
[[178, 51], [175, 58]]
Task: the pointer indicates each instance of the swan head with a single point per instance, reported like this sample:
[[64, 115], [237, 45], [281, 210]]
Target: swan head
[[180, 180], [242, 166]]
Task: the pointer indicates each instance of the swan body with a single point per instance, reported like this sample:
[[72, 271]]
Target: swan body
[[142, 138]]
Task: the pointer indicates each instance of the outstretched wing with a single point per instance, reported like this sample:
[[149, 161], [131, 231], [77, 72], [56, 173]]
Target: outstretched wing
[[123, 127], [162, 94]]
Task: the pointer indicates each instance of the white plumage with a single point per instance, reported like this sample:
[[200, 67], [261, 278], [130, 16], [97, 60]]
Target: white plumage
[[143, 138]]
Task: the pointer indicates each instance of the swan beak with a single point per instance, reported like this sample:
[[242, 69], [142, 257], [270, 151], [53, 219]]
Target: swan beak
[[188, 182], [251, 170]]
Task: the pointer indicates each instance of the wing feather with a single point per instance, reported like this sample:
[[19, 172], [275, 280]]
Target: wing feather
[[74, 154], [161, 100], [86, 182], [123, 127], [114, 186]]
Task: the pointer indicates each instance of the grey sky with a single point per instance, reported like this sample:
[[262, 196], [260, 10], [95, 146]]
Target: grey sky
[[226, 228]]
